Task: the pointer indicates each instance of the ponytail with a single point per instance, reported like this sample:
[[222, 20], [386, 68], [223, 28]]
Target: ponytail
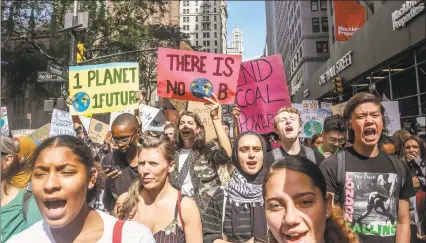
[[128, 208]]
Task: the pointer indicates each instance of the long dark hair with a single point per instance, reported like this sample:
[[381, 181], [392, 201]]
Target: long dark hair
[[336, 230], [199, 142], [83, 153]]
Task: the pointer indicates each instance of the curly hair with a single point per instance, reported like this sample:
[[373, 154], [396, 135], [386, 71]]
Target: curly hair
[[84, 155], [335, 230]]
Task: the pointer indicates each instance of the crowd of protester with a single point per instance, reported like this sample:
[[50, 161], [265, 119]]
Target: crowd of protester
[[242, 187]]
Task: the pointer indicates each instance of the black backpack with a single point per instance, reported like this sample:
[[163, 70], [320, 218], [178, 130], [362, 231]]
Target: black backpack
[[339, 196]]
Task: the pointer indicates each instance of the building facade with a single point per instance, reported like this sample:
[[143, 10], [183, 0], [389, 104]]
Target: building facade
[[169, 17], [205, 23], [386, 56], [237, 46], [301, 37]]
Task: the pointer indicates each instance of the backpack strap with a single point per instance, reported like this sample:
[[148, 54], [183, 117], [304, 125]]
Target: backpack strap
[[277, 154], [26, 200], [310, 154], [179, 208], [399, 167], [339, 195], [117, 233], [225, 199]]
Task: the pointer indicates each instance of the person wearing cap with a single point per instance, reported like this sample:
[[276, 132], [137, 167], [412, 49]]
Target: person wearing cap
[[25, 147], [18, 207]]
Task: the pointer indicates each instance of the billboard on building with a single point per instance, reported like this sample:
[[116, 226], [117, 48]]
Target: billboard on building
[[349, 17]]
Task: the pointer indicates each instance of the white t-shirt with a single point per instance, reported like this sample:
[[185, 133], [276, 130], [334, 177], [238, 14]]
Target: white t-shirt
[[187, 188], [133, 232]]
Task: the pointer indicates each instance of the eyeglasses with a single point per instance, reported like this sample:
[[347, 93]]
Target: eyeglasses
[[122, 141], [339, 141]]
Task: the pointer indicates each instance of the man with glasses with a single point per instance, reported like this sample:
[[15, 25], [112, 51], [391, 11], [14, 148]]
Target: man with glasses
[[121, 165], [334, 130]]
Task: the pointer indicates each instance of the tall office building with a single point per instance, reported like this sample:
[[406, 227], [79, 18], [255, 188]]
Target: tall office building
[[169, 17], [205, 23], [237, 47], [271, 40], [301, 38]]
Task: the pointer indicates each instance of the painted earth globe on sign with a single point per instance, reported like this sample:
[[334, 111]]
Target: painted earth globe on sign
[[81, 101], [2, 122], [312, 127], [201, 88]]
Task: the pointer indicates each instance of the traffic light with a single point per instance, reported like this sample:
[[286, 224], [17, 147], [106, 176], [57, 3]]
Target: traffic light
[[80, 52], [338, 85]]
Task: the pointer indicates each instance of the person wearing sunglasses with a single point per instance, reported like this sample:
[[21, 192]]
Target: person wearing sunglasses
[[334, 130], [121, 165]]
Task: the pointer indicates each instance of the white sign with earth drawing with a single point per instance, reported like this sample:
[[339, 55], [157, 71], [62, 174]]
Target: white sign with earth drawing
[[312, 119], [4, 123]]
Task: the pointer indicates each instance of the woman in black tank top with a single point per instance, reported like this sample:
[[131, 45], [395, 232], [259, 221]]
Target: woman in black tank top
[[151, 200]]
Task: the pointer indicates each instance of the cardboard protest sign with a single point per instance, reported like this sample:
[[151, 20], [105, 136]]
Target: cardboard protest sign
[[180, 105], [312, 118], [261, 92], [147, 115], [61, 124], [98, 131], [326, 105], [392, 113], [204, 113], [22, 132], [338, 109], [103, 88], [4, 123], [114, 115], [41, 134], [191, 75]]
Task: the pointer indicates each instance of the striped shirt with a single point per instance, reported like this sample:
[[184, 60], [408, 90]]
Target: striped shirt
[[238, 225]]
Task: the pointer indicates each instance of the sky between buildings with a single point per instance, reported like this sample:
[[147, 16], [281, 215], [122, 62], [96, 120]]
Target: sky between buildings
[[251, 20]]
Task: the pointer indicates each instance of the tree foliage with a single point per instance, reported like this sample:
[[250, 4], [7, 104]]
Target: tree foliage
[[30, 35]]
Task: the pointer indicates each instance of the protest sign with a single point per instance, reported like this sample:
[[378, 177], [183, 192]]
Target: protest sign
[[147, 115], [204, 113], [392, 113], [261, 92], [114, 115], [338, 109], [158, 123], [326, 105], [179, 105], [97, 131], [4, 123], [41, 134], [312, 118], [22, 132], [191, 75], [103, 88], [61, 124]]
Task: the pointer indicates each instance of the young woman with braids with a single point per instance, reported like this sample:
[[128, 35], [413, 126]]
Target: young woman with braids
[[152, 201], [297, 206]]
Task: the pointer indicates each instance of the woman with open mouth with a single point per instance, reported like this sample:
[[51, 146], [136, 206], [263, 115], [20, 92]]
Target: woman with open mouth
[[64, 182], [151, 200], [236, 212], [298, 210]]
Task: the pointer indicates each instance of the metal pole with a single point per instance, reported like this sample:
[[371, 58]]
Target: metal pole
[[390, 83], [30, 123], [419, 100], [74, 22]]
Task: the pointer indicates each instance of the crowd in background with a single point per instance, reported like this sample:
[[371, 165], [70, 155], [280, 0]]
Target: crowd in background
[[242, 187]]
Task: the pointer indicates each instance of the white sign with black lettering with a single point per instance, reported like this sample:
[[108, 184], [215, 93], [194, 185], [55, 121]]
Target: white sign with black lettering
[[408, 11], [340, 65], [61, 124]]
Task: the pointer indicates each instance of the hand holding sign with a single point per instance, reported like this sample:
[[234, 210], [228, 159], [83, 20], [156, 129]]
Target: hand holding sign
[[213, 106]]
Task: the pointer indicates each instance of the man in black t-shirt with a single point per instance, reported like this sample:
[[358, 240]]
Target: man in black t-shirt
[[121, 166], [288, 125], [373, 188]]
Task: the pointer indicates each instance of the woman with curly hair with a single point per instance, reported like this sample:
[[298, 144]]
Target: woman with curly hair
[[151, 200], [64, 181], [297, 206]]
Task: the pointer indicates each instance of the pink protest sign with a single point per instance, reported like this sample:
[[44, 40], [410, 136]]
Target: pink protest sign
[[192, 75], [261, 92]]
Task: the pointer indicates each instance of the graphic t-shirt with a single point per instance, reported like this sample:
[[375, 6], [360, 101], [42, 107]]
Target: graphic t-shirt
[[187, 187], [372, 193]]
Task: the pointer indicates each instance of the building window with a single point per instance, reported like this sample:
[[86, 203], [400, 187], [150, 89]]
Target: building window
[[323, 4], [196, 43], [215, 50], [215, 26], [196, 10], [215, 10], [196, 18], [314, 5], [331, 7], [315, 25], [324, 24], [196, 27], [333, 38], [196, 3], [301, 53], [196, 35], [204, 43], [215, 18], [215, 34], [215, 42], [208, 43], [322, 46]]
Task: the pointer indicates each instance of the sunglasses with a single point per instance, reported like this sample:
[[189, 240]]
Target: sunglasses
[[122, 141]]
